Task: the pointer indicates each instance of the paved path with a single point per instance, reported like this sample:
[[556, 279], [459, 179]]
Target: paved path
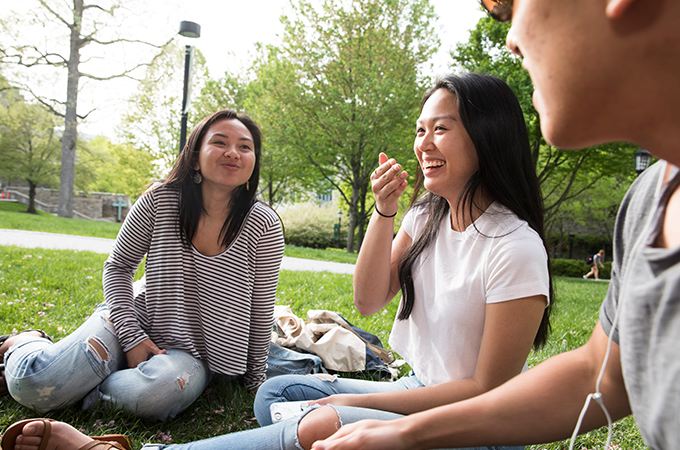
[[36, 239]]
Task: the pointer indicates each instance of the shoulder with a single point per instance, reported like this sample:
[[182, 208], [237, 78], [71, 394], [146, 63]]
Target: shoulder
[[262, 216], [414, 219], [511, 235], [639, 201], [159, 192]]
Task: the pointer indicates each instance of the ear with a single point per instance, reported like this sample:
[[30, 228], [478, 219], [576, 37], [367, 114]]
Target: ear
[[617, 8]]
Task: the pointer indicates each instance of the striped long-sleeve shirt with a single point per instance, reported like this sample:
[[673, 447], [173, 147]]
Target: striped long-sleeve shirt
[[219, 308]]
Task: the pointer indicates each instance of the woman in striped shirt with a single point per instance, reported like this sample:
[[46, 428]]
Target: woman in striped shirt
[[204, 306]]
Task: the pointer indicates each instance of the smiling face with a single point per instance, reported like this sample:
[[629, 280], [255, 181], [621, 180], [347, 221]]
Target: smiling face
[[446, 154], [227, 155]]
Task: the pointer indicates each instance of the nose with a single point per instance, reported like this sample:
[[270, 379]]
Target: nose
[[231, 152], [424, 142], [511, 42]]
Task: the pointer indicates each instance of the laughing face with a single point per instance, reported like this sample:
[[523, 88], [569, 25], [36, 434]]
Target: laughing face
[[446, 154]]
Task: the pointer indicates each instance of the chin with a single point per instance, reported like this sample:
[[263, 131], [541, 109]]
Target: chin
[[567, 136]]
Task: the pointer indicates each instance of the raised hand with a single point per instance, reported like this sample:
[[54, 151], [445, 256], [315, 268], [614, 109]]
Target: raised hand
[[388, 183]]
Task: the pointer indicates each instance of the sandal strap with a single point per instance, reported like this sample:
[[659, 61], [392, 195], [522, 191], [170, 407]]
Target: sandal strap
[[100, 445], [46, 434], [122, 440]]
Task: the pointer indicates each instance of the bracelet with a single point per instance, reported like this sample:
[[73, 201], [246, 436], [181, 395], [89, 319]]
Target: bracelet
[[381, 214]]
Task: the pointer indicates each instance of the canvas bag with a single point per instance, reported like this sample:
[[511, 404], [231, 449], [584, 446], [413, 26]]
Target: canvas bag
[[340, 346]]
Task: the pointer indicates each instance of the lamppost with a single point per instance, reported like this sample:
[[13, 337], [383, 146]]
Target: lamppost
[[190, 30], [642, 160], [339, 237]]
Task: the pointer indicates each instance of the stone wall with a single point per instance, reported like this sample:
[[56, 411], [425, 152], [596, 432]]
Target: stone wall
[[93, 205]]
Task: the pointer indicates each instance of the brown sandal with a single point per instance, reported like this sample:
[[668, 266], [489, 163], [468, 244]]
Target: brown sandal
[[116, 441]]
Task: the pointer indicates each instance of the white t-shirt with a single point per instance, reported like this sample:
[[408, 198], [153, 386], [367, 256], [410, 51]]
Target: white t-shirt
[[454, 278]]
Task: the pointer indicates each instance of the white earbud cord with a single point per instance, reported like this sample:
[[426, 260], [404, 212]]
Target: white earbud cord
[[597, 396]]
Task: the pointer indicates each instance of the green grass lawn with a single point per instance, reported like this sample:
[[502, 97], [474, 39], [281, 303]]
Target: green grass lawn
[[56, 290]]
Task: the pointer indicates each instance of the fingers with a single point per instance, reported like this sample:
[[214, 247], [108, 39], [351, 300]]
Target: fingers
[[386, 164], [155, 350], [388, 176]]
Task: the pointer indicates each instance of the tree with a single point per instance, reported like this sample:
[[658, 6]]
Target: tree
[[85, 24], [345, 85], [29, 146], [115, 168], [152, 121], [593, 212], [563, 175]]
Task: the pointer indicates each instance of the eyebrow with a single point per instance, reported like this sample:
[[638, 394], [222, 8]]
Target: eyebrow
[[242, 138], [436, 118]]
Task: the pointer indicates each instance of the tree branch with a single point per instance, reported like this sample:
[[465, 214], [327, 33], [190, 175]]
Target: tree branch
[[54, 13], [330, 179], [42, 59]]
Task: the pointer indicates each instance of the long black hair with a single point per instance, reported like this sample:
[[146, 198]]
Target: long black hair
[[493, 119], [191, 195]]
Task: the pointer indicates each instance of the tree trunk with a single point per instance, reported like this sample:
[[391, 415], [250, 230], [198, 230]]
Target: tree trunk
[[31, 199], [352, 221], [70, 136], [362, 217]]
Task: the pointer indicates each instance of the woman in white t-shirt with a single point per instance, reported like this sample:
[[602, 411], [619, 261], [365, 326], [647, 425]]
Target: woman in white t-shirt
[[469, 259]]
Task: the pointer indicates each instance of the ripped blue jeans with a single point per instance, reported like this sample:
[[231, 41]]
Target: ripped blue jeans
[[283, 435], [279, 436], [90, 365], [287, 388]]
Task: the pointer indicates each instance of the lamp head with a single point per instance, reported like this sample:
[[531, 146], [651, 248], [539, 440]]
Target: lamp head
[[189, 29], [642, 160]]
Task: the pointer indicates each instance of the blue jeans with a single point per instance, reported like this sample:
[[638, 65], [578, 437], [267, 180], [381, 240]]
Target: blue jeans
[[284, 361], [289, 388], [283, 435], [90, 364], [286, 388]]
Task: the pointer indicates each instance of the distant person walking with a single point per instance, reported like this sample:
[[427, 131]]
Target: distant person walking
[[598, 258]]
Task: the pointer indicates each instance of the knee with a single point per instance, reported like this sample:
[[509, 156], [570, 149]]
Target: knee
[[269, 392], [318, 425], [283, 388]]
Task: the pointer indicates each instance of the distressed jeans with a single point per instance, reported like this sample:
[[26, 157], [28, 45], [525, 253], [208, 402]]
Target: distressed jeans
[[287, 388], [290, 388], [90, 365], [283, 435]]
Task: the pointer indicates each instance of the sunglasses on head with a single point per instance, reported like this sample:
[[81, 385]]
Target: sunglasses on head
[[500, 10]]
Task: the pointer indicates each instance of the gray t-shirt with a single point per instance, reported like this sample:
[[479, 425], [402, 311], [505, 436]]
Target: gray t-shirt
[[646, 281]]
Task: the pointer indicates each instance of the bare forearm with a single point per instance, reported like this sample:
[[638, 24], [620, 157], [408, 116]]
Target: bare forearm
[[372, 274], [410, 401], [541, 405]]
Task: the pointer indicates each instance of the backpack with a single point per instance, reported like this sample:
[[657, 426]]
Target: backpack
[[589, 260]]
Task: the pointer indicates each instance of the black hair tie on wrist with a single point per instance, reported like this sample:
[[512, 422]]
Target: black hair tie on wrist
[[381, 214]]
